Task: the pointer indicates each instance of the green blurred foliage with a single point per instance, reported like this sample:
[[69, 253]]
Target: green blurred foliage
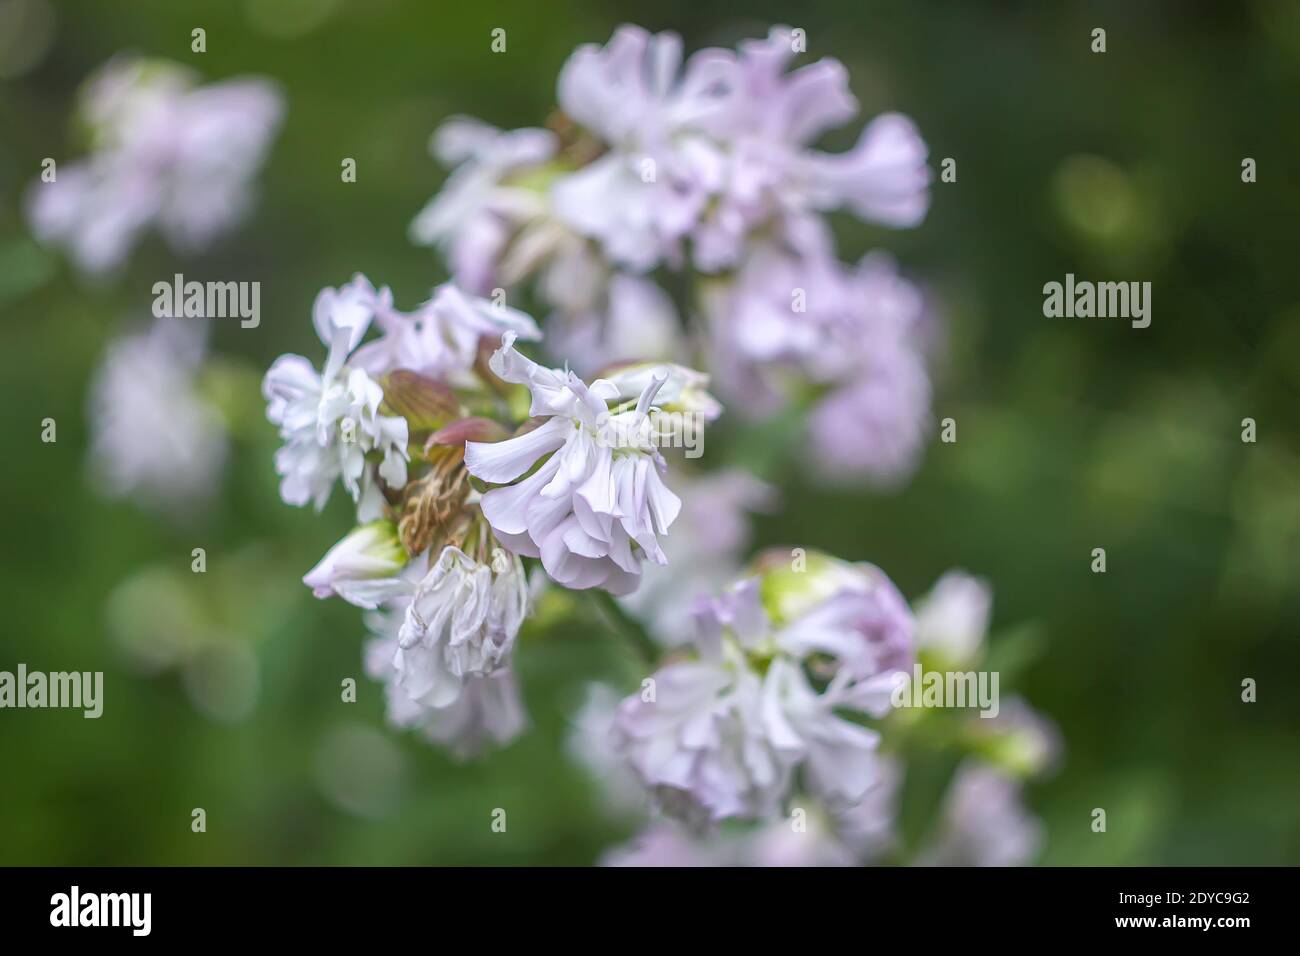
[[1072, 433]]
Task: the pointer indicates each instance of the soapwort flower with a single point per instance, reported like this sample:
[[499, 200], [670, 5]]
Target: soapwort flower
[[596, 506]]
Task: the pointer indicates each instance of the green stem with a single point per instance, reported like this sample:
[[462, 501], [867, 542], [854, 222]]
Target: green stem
[[612, 613]]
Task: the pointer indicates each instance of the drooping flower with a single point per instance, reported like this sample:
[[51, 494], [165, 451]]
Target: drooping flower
[[462, 621], [596, 506], [168, 153], [154, 437], [488, 711]]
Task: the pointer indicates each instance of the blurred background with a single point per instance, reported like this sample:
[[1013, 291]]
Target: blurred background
[[223, 689]]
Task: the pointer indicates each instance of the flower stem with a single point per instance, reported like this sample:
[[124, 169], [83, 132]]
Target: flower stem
[[613, 614]]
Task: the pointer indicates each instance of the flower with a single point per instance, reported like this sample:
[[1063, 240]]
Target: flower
[[643, 196], [597, 494], [330, 419], [717, 149], [461, 621], [440, 339], [488, 711], [633, 317], [721, 735], [804, 324], [850, 612], [953, 619], [360, 567], [153, 436], [984, 823], [703, 743], [168, 153], [477, 211], [703, 551]]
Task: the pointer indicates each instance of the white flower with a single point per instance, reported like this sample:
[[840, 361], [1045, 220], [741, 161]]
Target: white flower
[[440, 339], [953, 619], [330, 420], [359, 568], [461, 621], [152, 436], [707, 745], [647, 192], [167, 152], [488, 711], [719, 149], [591, 743], [773, 178], [476, 212], [596, 506], [722, 735]]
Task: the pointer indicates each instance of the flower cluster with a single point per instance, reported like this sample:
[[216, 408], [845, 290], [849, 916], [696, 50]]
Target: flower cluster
[[708, 167], [567, 472], [167, 153], [779, 659], [781, 715], [478, 472]]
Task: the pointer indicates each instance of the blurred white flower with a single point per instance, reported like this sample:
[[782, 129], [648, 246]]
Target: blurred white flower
[[855, 335], [153, 437], [591, 744], [645, 194], [477, 211], [953, 619], [167, 153], [717, 149], [984, 822], [488, 710], [633, 319]]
